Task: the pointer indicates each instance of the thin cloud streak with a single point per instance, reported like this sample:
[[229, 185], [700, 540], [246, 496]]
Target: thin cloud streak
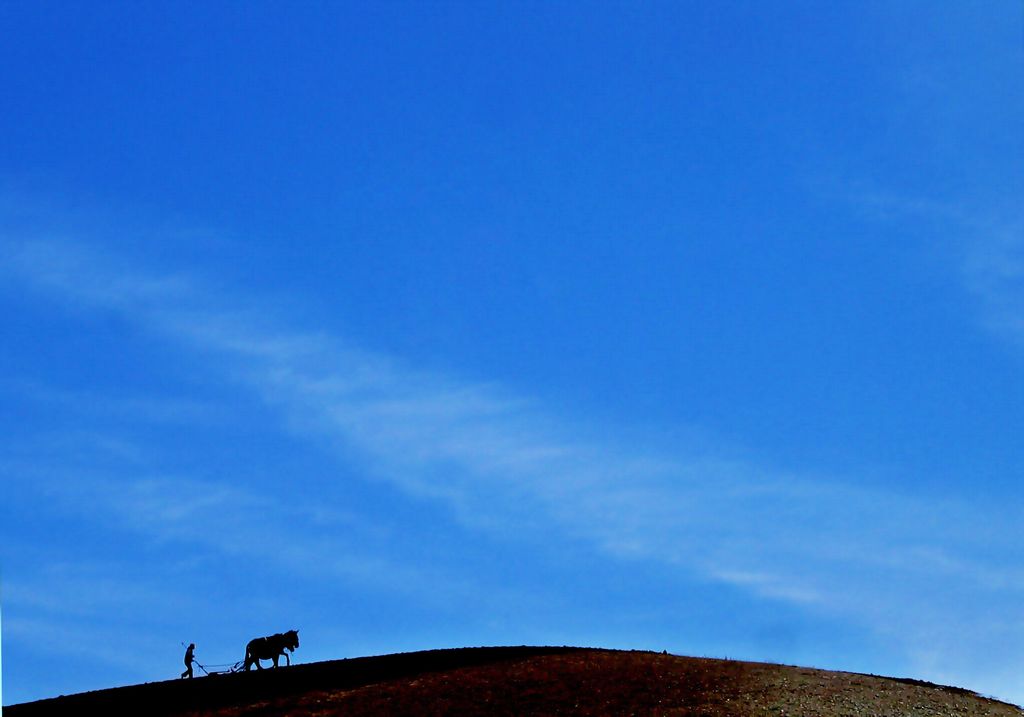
[[89, 643], [232, 523], [159, 410], [500, 464], [65, 590], [987, 249], [994, 271]]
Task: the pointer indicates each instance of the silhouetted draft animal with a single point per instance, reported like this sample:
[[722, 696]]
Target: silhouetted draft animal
[[270, 648]]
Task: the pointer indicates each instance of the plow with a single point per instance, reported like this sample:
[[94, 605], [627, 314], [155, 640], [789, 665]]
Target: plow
[[225, 669]]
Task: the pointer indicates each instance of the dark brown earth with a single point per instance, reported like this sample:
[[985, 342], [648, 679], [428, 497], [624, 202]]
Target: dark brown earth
[[530, 681]]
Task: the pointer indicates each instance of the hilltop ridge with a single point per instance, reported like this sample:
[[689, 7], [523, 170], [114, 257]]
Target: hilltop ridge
[[531, 681]]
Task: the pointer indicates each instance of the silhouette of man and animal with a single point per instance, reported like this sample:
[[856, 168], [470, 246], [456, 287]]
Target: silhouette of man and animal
[[270, 647]]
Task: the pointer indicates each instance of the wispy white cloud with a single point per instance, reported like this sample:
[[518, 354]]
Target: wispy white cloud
[[768, 585], [89, 642], [96, 590], [500, 463], [993, 270], [298, 536], [137, 408], [983, 248]]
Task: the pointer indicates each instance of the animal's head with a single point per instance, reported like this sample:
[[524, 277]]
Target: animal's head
[[292, 637]]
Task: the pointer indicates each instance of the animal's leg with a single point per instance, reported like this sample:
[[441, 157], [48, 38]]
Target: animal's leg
[[287, 659]]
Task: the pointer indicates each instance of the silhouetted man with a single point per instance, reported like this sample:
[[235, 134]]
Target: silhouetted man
[[188, 661]]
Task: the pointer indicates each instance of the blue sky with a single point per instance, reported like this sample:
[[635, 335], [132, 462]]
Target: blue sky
[[683, 326]]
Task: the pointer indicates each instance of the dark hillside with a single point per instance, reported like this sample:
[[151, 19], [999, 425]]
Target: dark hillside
[[530, 681], [206, 695]]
